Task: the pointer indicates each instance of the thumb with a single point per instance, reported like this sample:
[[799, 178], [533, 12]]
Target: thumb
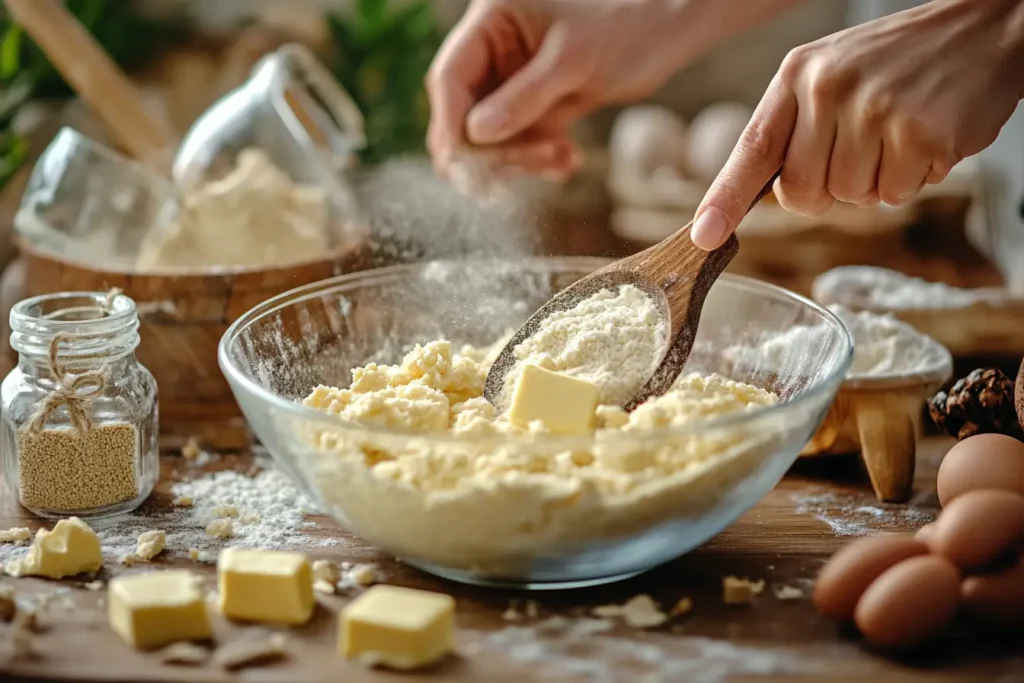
[[758, 154], [525, 97]]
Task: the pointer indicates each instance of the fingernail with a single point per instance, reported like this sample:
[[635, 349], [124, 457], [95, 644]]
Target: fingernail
[[709, 230], [486, 125]]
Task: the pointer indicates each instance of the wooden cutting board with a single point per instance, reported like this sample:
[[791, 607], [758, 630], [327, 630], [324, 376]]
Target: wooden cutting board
[[784, 540]]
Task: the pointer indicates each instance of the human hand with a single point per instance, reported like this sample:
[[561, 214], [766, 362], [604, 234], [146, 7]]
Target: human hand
[[875, 112], [513, 75]]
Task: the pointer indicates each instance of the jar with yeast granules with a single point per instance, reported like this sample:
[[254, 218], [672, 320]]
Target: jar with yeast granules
[[79, 411]]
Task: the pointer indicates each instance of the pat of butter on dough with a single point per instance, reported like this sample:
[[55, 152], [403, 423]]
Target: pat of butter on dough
[[71, 548], [157, 608], [265, 585], [401, 628], [563, 404]]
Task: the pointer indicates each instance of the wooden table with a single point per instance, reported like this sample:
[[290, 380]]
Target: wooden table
[[784, 540]]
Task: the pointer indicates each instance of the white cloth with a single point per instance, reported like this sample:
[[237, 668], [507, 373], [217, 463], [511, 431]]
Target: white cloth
[[1002, 165]]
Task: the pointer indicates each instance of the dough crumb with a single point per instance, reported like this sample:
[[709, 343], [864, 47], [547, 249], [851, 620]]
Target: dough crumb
[[787, 593], [191, 451], [640, 611], [129, 560], [253, 648], [15, 535], [683, 607], [325, 576], [362, 575], [150, 544], [643, 612], [532, 609], [93, 586], [737, 591], [205, 556], [225, 510], [221, 528], [184, 653], [183, 501], [511, 614]]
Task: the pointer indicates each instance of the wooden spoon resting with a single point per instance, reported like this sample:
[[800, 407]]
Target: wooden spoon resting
[[675, 273]]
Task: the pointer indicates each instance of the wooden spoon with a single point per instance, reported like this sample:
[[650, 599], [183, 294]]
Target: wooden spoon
[[675, 273], [95, 77]]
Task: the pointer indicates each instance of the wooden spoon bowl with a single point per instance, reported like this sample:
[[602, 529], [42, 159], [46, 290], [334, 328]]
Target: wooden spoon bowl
[[675, 273]]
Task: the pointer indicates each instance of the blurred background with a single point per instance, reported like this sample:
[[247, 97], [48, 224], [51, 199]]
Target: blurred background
[[185, 54]]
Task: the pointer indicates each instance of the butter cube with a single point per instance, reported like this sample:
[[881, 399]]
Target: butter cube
[[565, 405], [401, 628], [72, 547], [158, 608], [265, 585]]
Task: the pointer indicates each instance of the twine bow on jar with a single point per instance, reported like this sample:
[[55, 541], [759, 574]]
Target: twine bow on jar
[[77, 394]]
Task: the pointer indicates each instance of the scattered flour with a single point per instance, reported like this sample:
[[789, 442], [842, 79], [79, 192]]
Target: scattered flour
[[280, 520], [847, 515], [884, 288], [465, 488], [883, 346], [614, 338], [253, 216], [583, 649]]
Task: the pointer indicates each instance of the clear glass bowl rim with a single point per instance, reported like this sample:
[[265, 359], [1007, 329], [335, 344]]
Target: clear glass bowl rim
[[349, 281]]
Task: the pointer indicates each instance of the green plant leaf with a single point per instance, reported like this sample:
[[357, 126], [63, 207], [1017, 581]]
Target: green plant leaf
[[10, 54]]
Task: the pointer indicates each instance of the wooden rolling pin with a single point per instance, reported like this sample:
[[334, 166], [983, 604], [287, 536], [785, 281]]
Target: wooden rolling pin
[[96, 78]]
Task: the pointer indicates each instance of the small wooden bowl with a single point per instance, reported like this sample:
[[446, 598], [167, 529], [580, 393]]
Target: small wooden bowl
[[182, 318], [881, 418]]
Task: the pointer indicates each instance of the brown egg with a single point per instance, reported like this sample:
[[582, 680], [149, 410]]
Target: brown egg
[[978, 527], [848, 574], [985, 461], [910, 603], [996, 599]]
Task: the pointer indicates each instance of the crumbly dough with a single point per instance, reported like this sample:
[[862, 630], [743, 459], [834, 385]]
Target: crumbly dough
[[465, 488]]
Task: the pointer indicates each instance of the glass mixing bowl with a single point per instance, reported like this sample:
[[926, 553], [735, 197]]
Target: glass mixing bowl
[[519, 525]]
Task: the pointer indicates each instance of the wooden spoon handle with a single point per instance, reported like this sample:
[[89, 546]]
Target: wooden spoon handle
[[94, 76], [764, 190]]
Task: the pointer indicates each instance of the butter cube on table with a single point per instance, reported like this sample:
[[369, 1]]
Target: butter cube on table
[[265, 585], [158, 608], [564, 404], [401, 628], [72, 547]]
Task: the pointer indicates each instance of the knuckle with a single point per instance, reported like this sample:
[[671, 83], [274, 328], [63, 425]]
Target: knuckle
[[829, 83], [794, 63]]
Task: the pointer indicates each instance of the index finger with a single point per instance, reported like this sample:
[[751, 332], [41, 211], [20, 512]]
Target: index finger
[[457, 72], [758, 155]]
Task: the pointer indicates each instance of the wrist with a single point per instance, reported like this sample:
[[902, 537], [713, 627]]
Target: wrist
[[698, 26], [1001, 26]]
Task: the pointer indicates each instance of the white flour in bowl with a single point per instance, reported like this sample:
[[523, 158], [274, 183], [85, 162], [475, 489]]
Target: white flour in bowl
[[883, 346], [874, 287]]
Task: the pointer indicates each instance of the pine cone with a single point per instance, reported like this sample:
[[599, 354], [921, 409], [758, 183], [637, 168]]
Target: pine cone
[[980, 403]]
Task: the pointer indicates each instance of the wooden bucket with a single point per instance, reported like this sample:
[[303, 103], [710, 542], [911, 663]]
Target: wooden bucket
[[182, 318]]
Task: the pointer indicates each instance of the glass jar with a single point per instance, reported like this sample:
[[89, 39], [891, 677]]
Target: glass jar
[[79, 427]]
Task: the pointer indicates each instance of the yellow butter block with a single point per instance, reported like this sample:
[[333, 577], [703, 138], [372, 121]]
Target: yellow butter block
[[565, 405], [158, 608], [265, 585], [401, 628], [72, 547]]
